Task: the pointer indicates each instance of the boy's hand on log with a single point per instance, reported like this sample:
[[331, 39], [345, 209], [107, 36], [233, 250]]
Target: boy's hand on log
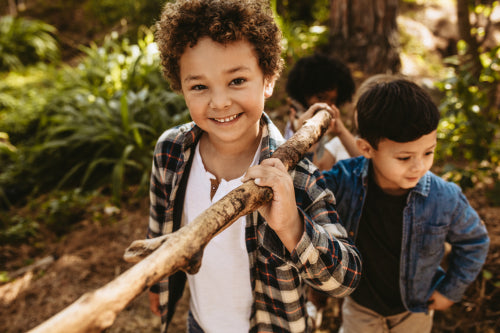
[[281, 213], [337, 126], [315, 108]]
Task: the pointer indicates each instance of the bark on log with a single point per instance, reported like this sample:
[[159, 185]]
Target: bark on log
[[181, 250]]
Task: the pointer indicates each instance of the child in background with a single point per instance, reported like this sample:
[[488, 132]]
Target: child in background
[[321, 79], [401, 214], [224, 57]]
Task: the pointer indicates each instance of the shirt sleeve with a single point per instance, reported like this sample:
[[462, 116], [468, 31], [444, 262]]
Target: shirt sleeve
[[324, 257], [337, 149], [158, 197]]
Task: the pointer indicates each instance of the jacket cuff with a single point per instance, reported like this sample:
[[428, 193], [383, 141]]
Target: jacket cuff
[[453, 290]]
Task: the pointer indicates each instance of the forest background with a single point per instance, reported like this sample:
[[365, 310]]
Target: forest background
[[82, 102]]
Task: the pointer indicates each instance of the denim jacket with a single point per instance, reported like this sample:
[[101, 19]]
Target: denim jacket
[[436, 212]]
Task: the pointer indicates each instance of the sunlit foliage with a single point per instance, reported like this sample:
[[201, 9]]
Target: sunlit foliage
[[25, 42], [101, 123]]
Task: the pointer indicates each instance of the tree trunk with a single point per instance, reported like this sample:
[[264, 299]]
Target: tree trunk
[[12, 8], [181, 250], [365, 32], [464, 31]]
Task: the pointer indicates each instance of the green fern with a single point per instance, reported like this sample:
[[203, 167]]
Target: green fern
[[25, 42]]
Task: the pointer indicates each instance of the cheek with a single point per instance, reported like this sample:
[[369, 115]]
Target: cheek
[[429, 163], [196, 108], [390, 168], [251, 102]]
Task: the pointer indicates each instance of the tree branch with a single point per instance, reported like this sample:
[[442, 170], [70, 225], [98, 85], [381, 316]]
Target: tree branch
[[181, 250]]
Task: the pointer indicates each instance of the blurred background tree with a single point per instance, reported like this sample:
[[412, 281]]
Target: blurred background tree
[[365, 32]]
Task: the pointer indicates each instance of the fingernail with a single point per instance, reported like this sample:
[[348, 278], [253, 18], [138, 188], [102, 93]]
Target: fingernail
[[257, 181]]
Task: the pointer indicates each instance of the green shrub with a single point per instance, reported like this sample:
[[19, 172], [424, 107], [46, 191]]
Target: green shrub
[[23, 96], [101, 123], [26, 42], [63, 210], [469, 131], [55, 213], [17, 229]]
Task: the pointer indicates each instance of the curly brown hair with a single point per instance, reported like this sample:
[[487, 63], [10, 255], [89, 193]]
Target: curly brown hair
[[184, 22]]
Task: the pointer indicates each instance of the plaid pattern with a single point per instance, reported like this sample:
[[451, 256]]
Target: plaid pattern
[[324, 257]]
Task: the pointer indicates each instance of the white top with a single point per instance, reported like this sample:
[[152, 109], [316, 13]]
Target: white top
[[221, 294], [335, 147]]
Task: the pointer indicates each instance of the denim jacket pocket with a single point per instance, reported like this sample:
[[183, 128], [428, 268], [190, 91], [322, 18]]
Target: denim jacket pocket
[[433, 239]]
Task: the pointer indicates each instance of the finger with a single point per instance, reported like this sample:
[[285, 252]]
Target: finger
[[274, 163], [270, 167], [335, 111], [270, 177], [322, 106], [312, 110]]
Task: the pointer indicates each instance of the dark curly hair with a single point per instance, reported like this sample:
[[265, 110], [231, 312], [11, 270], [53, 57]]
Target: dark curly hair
[[184, 22], [318, 73]]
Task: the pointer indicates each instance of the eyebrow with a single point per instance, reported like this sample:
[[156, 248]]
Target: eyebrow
[[411, 152], [238, 69], [229, 71]]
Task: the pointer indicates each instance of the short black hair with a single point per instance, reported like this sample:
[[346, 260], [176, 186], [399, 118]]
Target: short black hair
[[319, 73], [399, 110]]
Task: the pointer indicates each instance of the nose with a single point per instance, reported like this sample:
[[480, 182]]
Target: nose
[[219, 100], [418, 164]]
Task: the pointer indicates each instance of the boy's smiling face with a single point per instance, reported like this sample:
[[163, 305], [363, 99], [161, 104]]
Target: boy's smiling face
[[399, 166], [224, 89]]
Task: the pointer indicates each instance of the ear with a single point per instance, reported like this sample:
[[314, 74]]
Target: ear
[[269, 86], [365, 148]]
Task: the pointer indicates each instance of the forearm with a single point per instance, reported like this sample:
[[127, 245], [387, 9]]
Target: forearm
[[466, 262], [349, 142], [291, 236], [469, 247]]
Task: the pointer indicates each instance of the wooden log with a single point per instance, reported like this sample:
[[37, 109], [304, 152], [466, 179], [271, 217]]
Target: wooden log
[[181, 250]]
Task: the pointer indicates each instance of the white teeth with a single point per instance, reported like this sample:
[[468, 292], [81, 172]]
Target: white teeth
[[223, 120]]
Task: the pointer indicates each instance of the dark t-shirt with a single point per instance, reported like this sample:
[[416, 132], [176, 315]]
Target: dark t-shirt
[[379, 241]]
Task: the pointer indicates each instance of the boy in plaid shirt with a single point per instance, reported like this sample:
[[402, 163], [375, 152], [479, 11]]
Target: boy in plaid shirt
[[224, 57]]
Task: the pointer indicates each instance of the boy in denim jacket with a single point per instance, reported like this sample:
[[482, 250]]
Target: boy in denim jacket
[[400, 215]]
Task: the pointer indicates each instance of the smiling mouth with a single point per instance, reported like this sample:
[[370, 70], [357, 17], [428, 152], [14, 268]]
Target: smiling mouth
[[226, 119]]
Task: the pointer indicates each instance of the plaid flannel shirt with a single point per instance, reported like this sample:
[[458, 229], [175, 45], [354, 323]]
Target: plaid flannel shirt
[[324, 257]]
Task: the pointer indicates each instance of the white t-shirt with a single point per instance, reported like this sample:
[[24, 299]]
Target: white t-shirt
[[221, 293], [337, 149]]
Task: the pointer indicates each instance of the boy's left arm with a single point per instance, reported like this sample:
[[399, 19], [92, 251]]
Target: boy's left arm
[[469, 240], [303, 216]]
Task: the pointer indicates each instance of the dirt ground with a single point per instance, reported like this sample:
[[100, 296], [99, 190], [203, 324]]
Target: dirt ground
[[91, 256]]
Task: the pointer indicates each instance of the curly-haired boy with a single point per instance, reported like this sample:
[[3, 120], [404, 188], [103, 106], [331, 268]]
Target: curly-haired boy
[[224, 57]]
